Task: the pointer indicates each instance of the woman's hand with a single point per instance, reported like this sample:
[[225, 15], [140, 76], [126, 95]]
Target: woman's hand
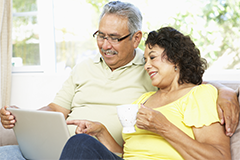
[[152, 120], [87, 127]]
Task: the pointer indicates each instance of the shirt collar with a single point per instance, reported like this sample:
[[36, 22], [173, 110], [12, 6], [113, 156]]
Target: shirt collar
[[138, 59]]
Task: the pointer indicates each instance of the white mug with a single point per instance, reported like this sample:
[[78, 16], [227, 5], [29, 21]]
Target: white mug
[[127, 115]]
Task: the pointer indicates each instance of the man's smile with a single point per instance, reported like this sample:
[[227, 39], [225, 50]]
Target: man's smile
[[109, 52]]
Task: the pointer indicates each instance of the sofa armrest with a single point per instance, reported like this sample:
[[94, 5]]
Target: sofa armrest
[[235, 139], [7, 136]]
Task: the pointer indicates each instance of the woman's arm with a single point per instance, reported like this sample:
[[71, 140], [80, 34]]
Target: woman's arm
[[99, 131], [210, 141]]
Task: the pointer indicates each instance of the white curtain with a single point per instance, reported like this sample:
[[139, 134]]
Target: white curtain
[[6, 136], [5, 51]]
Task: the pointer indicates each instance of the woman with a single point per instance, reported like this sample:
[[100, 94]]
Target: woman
[[179, 121]]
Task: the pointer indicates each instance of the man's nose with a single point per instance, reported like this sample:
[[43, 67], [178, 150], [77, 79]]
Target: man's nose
[[106, 44]]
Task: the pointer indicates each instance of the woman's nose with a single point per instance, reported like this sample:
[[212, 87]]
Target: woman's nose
[[147, 66]]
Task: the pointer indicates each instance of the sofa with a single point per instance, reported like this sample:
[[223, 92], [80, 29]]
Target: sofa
[[7, 136]]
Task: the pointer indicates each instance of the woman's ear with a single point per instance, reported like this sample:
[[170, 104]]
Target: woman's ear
[[137, 38]]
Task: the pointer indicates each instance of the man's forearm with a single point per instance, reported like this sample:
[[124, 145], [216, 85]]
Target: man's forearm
[[217, 85], [56, 108]]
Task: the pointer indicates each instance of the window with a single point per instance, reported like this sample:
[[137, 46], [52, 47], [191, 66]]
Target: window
[[65, 31], [25, 34], [33, 36], [74, 27]]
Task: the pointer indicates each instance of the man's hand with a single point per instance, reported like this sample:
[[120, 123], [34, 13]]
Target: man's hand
[[87, 127], [7, 119], [228, 109], [99, 131]]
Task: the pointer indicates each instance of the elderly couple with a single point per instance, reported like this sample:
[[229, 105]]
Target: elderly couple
[[179, 116]]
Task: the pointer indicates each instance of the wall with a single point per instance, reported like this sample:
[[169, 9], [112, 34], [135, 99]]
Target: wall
[[33, 91]]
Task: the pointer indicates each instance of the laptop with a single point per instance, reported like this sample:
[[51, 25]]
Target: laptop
[[40, 134]]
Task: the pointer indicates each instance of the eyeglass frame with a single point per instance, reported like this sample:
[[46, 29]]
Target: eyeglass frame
[[118, 39]]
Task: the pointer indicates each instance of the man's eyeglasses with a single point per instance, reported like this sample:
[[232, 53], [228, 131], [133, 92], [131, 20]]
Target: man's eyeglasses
[[112, 40]]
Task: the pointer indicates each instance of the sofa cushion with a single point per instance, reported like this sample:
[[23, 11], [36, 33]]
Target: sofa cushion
[[7, 136], [235, 139]]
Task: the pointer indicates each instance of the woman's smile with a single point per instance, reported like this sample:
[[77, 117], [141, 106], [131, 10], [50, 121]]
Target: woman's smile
[[152, 74]]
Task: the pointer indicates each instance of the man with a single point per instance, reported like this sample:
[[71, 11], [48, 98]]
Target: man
[[97, 85]]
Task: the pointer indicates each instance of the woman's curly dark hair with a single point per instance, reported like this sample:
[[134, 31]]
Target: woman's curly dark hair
[[181, 51]]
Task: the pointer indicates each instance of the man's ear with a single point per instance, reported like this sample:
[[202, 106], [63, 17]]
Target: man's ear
[[137, 38]]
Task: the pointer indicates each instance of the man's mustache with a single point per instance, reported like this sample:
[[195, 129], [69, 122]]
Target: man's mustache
[[109, 52]]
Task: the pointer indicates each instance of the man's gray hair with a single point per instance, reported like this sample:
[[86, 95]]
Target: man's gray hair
[[127, 10]]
